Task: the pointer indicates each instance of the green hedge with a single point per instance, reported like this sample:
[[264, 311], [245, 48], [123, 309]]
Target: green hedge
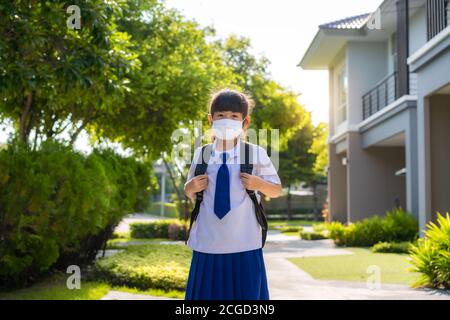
[[396, 226], [312, 235], [58, 206], [392, 247], [169, 228], [147, 266], [431, 255]]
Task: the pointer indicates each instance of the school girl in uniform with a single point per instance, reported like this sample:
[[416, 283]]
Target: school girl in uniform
[[227, 259]]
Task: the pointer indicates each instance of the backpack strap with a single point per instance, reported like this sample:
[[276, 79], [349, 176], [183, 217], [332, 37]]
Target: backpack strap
[[247, 167], [200, 169]]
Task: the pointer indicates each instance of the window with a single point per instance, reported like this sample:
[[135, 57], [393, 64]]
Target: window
[[342, 93]]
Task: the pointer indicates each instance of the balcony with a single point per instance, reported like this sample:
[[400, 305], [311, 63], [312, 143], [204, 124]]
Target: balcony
[[438, 16], [384, 93]]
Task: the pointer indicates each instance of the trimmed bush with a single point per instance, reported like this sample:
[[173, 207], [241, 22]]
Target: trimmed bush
[[147, 266], [157, 229], [431, 255], [58, 206], [312, 235], [291, 229], [391, 247], [396, 226]]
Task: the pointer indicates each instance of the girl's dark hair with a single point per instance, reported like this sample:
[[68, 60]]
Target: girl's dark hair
[[230, 100]]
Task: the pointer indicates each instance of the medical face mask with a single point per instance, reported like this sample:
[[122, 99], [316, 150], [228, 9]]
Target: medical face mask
[[227, 129]]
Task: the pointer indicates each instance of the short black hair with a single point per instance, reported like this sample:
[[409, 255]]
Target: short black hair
[[230, 100]]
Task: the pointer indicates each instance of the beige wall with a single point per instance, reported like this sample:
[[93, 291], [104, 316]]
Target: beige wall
[[440, 153], [372, 184], [337, 185]]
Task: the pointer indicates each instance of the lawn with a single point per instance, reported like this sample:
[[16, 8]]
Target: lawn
[[120, 243], [54, 288], [393, 267], [153, 269]]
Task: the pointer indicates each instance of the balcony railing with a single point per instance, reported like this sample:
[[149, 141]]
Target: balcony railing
[[438, 16], [384, 93]]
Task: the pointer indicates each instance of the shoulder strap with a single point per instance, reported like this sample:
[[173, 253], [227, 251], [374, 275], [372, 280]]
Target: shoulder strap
[[247, 167], [200, 169]]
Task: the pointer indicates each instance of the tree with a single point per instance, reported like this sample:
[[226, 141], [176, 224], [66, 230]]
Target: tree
[[54, 79], [319, 149], [296, 160]]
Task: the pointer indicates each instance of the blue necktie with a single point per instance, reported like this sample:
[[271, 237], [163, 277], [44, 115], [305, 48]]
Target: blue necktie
[[222, 194]]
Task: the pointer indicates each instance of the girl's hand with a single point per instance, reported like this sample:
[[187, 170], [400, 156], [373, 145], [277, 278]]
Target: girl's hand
[[197, 184], [251, 182]]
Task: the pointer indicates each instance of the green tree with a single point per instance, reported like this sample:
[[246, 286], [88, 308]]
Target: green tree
[[53, 78], [296, 161], [318, 172]]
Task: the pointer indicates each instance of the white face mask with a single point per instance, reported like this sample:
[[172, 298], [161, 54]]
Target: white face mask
[[227, 129]]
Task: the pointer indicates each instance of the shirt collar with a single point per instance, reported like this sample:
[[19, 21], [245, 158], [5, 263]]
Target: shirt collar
[[232, 153]]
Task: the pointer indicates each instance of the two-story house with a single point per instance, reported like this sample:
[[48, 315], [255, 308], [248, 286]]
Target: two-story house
[[389, 109]]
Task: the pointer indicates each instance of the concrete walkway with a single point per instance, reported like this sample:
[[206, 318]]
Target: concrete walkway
[[124, 225], [287, 281]]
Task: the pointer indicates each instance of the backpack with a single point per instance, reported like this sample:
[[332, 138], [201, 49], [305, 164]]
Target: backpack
[[246, 167]]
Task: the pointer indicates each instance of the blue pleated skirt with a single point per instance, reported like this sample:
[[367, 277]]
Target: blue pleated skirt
[[227, 276]]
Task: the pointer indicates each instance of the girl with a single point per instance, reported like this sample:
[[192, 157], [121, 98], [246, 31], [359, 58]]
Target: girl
[[227, 260]]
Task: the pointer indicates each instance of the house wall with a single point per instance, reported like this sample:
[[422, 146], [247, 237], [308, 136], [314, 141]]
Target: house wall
[[439, 153], [367, 65], [337, 185], [373, 186], [430, 78]]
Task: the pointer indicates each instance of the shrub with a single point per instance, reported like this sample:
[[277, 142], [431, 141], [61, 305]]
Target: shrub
[[396, 226], [312, 235], [392, 247], [320, 227], [291, 228], [337, 232], [431, 255], [58, 206], [154, 229], [147, 266], [177, 231], [400, 226]]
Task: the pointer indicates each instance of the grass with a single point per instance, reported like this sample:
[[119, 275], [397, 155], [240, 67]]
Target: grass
[[54, 288], [393, 267], [120, 243]]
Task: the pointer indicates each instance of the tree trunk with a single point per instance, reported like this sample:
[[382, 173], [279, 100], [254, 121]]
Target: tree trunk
[[315, 199], [289, 202], [172, 178], [24, 122]]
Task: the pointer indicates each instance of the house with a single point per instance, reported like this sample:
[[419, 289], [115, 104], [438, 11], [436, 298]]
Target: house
[[389, 110]]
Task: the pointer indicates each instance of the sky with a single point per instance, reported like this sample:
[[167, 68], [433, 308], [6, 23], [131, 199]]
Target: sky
[[282, 31]]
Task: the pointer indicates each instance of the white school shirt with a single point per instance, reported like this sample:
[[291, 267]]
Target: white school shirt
[[238, 230]]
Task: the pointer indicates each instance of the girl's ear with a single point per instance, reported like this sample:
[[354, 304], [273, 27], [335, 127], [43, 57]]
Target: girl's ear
[[246, 122], [210, 119]]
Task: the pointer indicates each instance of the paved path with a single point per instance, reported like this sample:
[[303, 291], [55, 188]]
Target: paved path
[[287, 281]]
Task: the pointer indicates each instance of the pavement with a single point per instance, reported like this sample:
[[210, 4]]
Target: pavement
[[287, 281]]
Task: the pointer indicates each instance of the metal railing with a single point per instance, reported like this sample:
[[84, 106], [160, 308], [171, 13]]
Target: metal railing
[[384, 93], [438, 16]]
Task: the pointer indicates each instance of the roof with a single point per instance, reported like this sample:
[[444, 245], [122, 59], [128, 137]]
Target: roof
[[354, 22]]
